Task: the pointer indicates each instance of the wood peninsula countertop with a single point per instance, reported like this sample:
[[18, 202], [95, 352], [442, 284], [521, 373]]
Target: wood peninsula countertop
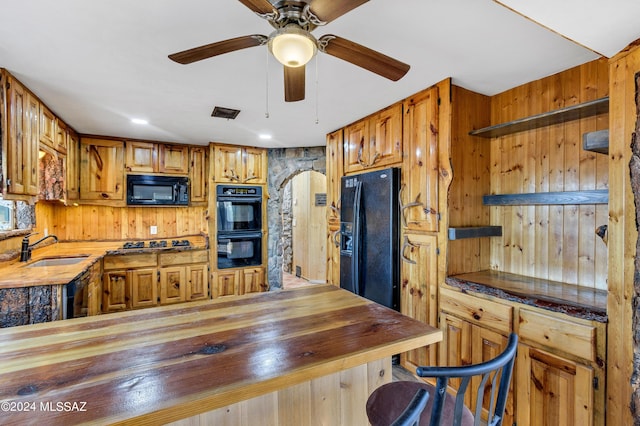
[[17, 274], [162, 364]]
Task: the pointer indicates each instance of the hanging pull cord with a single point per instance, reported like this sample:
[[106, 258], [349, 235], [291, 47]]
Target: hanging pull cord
[[317, 91], [266, 113]]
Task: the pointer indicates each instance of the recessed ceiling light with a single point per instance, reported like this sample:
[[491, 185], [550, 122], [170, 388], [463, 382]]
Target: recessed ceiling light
[[139, 121], [265, 136]]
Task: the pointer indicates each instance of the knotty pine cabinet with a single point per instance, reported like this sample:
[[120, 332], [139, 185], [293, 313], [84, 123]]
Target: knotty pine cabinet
[[142, 280], [419, 194], [238, 164], [198, 174], [22, 135], [559, 371], [334, 173], [101, 171], [418, 291], [151, 157], [235, 282], [73, 167], [375, 141], [47, 127]]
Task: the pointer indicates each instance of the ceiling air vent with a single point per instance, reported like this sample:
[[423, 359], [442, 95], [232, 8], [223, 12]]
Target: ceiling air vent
[[228, 113]]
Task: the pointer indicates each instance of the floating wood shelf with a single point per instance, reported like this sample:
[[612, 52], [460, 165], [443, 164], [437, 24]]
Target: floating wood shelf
[[475, 232], [574, 112], [596, 141], [597, 196]]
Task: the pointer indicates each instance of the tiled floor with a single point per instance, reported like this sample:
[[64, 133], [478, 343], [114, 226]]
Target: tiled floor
[[291, 281]]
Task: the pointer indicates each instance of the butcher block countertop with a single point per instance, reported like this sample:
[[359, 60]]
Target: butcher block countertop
[[17, 274], [162, 364]]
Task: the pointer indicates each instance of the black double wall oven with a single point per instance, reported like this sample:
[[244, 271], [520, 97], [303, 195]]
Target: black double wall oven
[[239, 233]]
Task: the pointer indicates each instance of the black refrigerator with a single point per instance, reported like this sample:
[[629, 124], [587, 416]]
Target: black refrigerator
[[369, 236]]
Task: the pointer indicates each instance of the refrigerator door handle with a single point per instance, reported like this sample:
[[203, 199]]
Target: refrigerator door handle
[[357, 237]]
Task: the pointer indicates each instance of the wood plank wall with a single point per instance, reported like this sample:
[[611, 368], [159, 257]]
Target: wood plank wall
[[92, 222], [550, 242], [623, 239], [470, 161]]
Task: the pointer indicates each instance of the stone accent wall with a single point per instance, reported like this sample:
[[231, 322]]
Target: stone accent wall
[[284, 164], [634, 167]]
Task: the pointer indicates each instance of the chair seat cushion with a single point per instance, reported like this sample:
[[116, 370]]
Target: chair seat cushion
[[387, 402]]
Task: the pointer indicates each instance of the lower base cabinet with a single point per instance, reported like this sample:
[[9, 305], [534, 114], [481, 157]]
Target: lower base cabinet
[[235, 282], [558, 376], [143, 280]]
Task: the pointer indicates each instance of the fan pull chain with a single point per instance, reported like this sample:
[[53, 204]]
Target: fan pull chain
[[266, 113], [317, 91]]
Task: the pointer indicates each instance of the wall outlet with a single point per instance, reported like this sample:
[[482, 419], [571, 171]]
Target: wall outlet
[[153, 230]]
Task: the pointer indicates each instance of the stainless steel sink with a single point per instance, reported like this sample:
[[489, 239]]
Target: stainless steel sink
[[57, 261]]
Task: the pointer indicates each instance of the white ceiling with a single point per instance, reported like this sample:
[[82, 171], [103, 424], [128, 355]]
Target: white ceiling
[[99, 64]]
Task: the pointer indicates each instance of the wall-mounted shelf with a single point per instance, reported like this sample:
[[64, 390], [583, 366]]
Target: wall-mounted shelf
[[574, 112], [597, 196], [596, 141], [475, 232]]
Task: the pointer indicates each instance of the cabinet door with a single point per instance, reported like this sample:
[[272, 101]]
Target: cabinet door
[[386, 144], [101, 171], [228, 163], [254, 164], [144, 288], [418, 291], [174, 159], [486, 345], [333, 254], [455, 350], [552, 390], [173, 284], [141, 157], [253, 281], [115, 291], [198, 174], [420, 168], [356, 146], [225, 283], [334, 175], [17, 139], [197, 282], [73, 167], [61, 137], [47, 126], [30, 152]]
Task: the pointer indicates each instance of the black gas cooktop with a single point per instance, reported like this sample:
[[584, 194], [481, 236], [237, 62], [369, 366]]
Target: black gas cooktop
[[156, 244]]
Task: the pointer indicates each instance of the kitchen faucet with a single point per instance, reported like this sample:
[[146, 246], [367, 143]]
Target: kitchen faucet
[[25, 252]]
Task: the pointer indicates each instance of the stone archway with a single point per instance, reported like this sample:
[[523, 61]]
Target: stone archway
[[284, 164]]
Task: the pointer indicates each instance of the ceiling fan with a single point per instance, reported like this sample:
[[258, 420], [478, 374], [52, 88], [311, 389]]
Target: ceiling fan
[[293, 45]]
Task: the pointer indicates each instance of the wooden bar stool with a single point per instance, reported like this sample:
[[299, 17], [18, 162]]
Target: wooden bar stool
[[387, 402]]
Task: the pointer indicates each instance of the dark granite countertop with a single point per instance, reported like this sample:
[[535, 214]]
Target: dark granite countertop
[[576, 301]]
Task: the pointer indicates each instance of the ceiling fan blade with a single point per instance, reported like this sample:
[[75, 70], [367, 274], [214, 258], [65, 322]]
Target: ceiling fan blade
[[328, 10], [363, 57], [258, 6], [218, 48], [294, 83]]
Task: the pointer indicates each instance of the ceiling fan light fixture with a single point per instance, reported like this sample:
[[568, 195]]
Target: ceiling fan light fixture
[[292, 46]]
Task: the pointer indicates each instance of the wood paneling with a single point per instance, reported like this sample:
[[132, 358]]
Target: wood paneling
[[623, 237], [553, 242], [89, 222]]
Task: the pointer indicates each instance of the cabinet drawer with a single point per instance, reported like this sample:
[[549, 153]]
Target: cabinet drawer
[[142, 260], [566, 336], [183, 257], [478, 311]]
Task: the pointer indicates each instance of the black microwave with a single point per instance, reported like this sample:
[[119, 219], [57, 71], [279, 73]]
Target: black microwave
[[147, 190]]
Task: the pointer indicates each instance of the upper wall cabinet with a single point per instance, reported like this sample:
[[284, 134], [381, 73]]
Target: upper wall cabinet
[[375, 141], [198, 173], [238, 164], [149, 157], [22, 136], [419, 194], [47, 127], [73, 166], [101, 173], [173, 159]]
